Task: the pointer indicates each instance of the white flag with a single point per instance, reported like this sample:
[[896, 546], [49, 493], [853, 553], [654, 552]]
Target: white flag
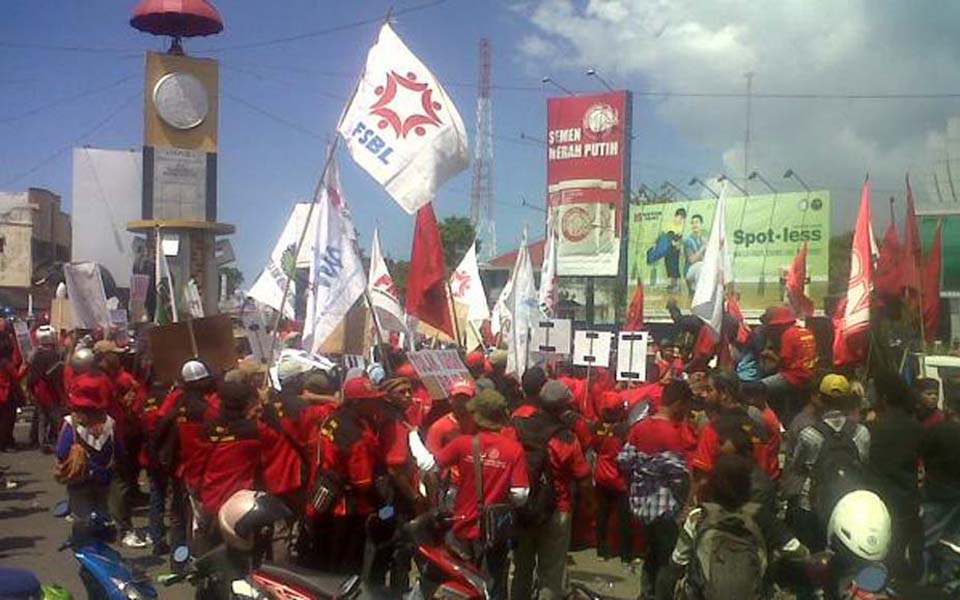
[[86, 294], [192, 295], [548, 274], [717, 270], [523, 306], [468, 289], [401, 126], [336, 275], [268, 288], [383, 290]]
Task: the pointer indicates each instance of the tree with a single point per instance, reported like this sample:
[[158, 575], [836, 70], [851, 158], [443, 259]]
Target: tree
[[457, 234], [234, 278]]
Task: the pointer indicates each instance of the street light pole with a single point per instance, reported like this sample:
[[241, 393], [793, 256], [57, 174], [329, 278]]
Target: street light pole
[[791, 173], [547, 80], [757, 175], [593, 73], [734, 184], [669, 186], [697, 180]]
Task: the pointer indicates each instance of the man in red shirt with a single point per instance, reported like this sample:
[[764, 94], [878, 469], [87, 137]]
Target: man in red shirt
[[545, 540], [503, 473], [794, 351]]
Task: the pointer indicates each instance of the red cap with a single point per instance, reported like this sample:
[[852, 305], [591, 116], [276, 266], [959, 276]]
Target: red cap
[[780, 315], [361, 388], [406, 370], [86, 394], [611, 401], [464, 387], [475, 359]]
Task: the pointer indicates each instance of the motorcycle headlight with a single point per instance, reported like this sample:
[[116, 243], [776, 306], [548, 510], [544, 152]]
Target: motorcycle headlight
[[129, 591]]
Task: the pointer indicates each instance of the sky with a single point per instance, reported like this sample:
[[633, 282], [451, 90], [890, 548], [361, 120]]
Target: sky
[[829, 84]]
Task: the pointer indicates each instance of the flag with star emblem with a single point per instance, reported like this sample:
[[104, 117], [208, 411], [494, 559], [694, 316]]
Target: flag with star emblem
[[716, 272], [383, 290], [401, 126], [468, 289]]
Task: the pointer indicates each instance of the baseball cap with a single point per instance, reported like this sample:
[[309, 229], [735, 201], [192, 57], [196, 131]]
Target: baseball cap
[[464, 387], [361, 388], [489, 409], [780, 315], [833, 384], [555, 392], [106, 347]]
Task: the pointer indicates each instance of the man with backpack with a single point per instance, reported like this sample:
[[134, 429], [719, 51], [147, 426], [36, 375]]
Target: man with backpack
[[727, 543], [830, 455], [555, 461]]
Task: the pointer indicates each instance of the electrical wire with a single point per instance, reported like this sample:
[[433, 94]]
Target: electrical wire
[[54, 103], [75, 142], [274, 117]]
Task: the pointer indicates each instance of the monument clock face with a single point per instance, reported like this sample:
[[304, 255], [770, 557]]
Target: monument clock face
[[181, 100]]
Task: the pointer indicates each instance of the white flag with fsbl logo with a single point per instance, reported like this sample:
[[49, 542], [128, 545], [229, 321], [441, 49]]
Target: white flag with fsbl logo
[[401, 126]]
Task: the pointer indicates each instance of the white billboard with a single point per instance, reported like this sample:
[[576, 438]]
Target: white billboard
[[107, 191]]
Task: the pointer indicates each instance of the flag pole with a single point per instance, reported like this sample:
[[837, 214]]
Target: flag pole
[[918, 268], [453, 310], [296, 255]]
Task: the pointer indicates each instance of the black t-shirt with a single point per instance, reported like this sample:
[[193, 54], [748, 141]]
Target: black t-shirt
[[940, 450], [894, 451]]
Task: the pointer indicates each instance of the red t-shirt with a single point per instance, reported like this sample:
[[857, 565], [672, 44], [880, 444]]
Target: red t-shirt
[[768, 453], [504, 467], [704, 458], [567, 464], [661, 434], [442, 432], [234, 458], [651, 392], [607, 443], [193, 448], [393, 442], [798, 355]]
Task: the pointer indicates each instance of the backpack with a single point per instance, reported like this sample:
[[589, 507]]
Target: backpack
[[729, 555], [534, 434], [838, 469]]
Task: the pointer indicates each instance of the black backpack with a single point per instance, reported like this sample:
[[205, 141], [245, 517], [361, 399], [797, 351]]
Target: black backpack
[[838, 469], [729, 555], [534, 433]]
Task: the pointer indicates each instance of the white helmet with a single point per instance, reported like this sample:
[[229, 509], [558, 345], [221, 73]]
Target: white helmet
[[82, 359], [46, 335], [193, 370], [245, 513], [861, 522]]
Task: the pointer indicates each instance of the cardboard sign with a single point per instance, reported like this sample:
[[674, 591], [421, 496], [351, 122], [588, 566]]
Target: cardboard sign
[[551, 338], [592, 348], [632, 355], [61, 314], [439, 370], [22, 332], [171, 346]]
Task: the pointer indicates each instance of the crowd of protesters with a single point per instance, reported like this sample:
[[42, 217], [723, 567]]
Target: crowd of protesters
[[643, 472]]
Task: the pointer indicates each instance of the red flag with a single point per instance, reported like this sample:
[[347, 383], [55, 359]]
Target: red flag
[[931, 285], [853, 321], [427, 280], [911, 255], [733, 307], [888, 279], [635, 311], [796, 280]]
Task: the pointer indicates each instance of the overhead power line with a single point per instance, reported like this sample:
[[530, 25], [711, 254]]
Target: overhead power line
[[273, 116], [54, 103]]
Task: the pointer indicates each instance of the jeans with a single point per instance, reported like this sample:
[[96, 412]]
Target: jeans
[[46, 425], [158, 505], [545, 548], [8, 418], [612, 508], [86, 498], [661, 537]]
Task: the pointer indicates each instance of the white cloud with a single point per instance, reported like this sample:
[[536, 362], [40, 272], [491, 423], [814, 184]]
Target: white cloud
[[793, 46]]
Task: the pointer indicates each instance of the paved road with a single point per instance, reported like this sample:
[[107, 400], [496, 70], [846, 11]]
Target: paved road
[[30, 536]]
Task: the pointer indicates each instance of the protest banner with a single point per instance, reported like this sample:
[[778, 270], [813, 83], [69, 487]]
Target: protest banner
[[551, 339], [592, 348], [632, 355], [24, 342], [171, 346], [439, 370]]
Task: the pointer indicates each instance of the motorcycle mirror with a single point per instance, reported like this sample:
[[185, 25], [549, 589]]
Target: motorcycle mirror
[[872, 578], [181, 554], [61, 509]]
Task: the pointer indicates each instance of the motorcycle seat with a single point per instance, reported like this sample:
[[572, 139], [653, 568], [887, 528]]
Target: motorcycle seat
[[327, 585]]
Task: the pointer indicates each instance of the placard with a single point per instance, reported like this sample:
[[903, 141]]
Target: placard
[[61, 314], [171, 347], [22, 332], [439, 370], [592, 348], [551, 338], [632, 355]]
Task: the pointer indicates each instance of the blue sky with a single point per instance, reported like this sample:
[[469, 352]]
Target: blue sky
[[280, 101]]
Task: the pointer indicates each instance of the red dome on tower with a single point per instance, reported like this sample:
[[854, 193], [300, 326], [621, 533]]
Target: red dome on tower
[[177, 18]]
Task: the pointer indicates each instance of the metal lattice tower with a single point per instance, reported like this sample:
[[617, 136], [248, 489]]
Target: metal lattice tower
[[481, 194]]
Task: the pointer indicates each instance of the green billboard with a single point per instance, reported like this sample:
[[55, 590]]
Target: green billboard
[[667, 242]]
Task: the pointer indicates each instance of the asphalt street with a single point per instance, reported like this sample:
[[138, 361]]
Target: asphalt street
[[30, 536]]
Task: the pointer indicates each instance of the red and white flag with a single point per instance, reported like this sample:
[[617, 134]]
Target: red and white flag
[[383, 291], [796, 282], [401, 127], [849, 338], [468, 289], [549, 286]]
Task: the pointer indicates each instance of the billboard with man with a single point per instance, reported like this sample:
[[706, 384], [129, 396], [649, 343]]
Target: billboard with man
[[667, 242], [587, 153]]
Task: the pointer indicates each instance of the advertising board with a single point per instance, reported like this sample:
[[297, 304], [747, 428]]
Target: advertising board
[[667, 241], [587, 153]]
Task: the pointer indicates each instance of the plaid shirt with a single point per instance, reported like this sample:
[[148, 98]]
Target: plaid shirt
[[657, 482]]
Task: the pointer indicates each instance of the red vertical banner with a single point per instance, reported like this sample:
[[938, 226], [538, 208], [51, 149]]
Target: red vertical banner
[[587, 170]]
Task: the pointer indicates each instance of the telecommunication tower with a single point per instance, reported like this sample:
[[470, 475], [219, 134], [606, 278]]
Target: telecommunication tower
[[481, 194]]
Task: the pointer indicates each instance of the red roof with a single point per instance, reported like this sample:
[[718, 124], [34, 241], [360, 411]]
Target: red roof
[[505, 261]]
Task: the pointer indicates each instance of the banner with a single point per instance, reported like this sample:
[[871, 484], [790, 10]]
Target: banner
[[439, 370], [87, 298], [268, 288], [668, 242], [587, 153]]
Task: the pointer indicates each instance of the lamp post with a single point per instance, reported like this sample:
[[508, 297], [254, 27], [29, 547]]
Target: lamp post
[[734, 184], [669, 186], [698, 181], [756, 175], [792, 174], [547, 80], [593, 73]]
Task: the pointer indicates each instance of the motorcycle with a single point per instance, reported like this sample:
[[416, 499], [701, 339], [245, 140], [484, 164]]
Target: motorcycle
[[23, 585], [444, 572], [104, 572]]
